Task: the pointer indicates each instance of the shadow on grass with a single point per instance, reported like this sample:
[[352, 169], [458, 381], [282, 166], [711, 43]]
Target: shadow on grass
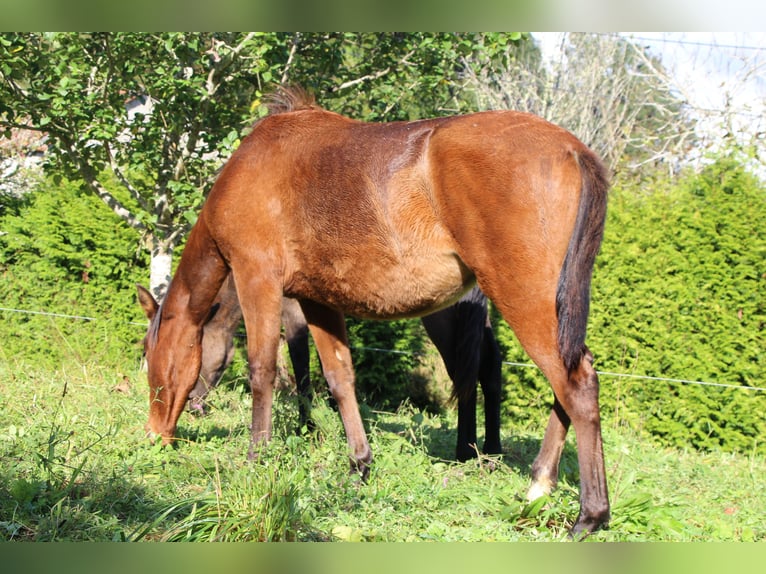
[[192, 432], [92, 508], [519, 451]]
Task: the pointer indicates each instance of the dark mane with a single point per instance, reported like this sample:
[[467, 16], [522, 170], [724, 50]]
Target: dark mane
[[289, 99], [154, 328]]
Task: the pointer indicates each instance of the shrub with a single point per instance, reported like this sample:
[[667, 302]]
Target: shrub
[[64, 252]]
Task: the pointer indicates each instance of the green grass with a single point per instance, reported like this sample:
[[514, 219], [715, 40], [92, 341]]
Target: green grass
[[74, 465]]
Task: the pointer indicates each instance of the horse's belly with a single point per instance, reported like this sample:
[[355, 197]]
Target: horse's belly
[[386, 287], [390, 257], [415, 287]]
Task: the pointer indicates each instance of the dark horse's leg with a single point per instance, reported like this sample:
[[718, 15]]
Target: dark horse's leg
[[465, 341], [297, 335], [217, 344], [490, 377], [441, 330]]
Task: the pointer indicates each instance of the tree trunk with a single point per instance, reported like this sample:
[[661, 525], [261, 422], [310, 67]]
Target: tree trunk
[[160, 268]]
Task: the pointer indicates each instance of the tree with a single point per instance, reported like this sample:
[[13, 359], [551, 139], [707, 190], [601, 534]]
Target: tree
[[195, 93], [392, 76], [606, 90]]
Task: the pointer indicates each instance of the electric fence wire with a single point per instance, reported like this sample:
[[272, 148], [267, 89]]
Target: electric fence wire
[[399, 352]]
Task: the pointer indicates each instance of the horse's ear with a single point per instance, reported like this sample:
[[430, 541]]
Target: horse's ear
[[147, 302]]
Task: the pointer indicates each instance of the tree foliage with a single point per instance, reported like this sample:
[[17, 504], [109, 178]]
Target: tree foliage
[[196, 90], [608, 91]]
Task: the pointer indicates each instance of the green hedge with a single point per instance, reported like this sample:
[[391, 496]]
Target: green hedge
[[64, 252]]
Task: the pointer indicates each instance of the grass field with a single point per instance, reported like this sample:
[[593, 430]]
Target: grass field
[[74, 465]]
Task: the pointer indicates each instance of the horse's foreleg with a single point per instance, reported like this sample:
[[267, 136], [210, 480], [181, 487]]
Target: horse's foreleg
[[261, 307], [328, 328]]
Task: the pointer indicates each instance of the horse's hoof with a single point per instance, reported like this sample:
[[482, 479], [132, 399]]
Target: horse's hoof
[[588, 525], [153, 435], [360, 468], [196, 408], [465, 453]]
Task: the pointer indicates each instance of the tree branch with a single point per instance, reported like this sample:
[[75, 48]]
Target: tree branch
[[123, 180], [87, 173], [290, 57], [221, 63], [375, 76]]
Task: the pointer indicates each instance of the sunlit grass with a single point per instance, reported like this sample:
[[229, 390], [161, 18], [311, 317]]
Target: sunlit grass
[[74, 465]]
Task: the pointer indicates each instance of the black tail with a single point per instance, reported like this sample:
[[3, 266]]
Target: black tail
[[573, 293]]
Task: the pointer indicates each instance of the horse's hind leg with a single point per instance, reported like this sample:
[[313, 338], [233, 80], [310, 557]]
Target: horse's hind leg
[[580, 402], [328, 329], [545, 468], [297, 335], [490, 377], [535, 323], [576, 402]]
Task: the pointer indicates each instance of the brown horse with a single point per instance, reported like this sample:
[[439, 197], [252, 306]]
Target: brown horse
[[396, 220], [461, 333]]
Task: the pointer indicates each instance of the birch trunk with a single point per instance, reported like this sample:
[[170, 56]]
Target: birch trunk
[[160, 270]]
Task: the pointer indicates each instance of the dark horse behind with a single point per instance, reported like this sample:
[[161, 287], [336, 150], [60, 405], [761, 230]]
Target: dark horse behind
[[461, 333], [390, 220]]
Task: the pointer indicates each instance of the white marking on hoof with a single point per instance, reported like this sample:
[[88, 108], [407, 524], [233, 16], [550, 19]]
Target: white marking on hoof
[[541, 487]]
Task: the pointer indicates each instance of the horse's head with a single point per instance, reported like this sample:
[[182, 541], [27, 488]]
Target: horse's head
[[172, 348]]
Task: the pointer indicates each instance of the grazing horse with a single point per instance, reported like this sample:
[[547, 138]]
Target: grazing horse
[[390, 220], [461, 333]]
